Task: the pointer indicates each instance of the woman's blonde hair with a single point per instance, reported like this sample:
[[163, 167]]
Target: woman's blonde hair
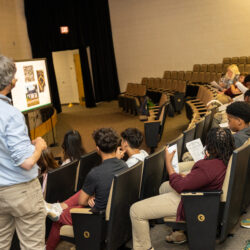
[[235, 70]]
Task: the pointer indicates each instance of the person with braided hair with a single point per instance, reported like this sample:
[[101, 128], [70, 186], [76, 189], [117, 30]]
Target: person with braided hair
[[206, 174], [238, 115]]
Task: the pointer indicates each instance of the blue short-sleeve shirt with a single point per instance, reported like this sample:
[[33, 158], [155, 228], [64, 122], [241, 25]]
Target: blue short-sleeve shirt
[[15, 145]]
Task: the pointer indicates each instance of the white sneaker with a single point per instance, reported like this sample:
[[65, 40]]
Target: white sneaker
[[54, 210]]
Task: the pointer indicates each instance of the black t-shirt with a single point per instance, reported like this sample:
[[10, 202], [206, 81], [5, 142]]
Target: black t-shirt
[[99, 179]]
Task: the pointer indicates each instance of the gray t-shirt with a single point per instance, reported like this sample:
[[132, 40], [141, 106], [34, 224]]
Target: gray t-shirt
[[241, 137]]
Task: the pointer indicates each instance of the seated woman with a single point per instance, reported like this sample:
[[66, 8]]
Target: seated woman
[[227, 80], [72, 146], [233, 90], [206, 174], [46, 162]]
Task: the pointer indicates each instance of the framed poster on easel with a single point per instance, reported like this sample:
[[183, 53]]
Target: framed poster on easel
[[32, 90]]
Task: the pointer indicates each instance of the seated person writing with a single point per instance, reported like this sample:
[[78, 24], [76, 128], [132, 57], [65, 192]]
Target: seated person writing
[[131, 141], [206, 174], [236, 88], [96, 187], [238, 114]]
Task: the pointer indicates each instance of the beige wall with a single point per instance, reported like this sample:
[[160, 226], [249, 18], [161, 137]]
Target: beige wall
[[151, 36], [14, 41]]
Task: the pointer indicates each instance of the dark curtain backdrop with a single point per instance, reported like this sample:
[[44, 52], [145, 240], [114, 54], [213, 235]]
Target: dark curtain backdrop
[[89, 25]]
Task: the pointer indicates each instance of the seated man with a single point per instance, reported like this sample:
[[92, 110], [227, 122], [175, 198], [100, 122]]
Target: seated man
[[206, 174], [131, 141], [96, 187], [238, 114]]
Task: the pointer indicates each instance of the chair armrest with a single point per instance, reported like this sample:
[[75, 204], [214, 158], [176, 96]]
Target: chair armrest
[[202, 193], [80, 211]]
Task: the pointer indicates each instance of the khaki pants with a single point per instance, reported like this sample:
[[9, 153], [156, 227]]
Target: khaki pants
[[22, 209], [163, 205]]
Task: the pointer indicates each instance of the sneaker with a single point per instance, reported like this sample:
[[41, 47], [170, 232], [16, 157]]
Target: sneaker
[[177, 237], [247, 247], [245, 223], [53, 210]]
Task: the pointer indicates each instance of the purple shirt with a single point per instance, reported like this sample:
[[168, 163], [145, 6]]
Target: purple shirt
[[205, 175]]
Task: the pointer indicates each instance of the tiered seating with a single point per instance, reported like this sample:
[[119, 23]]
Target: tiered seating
[[197, 107], [130, 100]]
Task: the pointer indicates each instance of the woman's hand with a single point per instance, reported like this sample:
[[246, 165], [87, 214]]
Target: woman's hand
[[91, 201]]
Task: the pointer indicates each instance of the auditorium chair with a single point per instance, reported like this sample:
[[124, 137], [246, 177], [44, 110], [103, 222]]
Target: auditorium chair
[[174, 75], [225, 66], [207, 124], [211, 67], [248, 60], [153, 167], [242, 60], [226, 60], [181, 75], [87, 162], [188, 76], [153, 128], [61, 182], [246, 198], [241, 68], [167, 74], [196, 68], [144, 81], [188, 135], [211, 212], [247, 68], [179, 142], [199, 126], [111, 228], [203, 68], [218, 68], [235, 60]]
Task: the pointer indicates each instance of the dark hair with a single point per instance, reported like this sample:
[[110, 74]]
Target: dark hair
[[106, 139], [247, 79], [133, 136], [47, 161], [220, 144], [72, 145], [247, 93], [240, 110]]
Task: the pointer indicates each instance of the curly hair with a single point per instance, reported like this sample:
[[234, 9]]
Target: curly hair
[[72, 145], [7, 71], [220, 144], [106, 139], [240, 110], [133, 136]]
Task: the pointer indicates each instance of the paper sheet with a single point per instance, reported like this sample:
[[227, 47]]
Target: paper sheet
[[224, 125], [195, 148], [175, 158]]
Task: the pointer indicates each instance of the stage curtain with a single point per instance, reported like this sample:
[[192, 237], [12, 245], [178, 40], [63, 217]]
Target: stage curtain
[[89, 25]]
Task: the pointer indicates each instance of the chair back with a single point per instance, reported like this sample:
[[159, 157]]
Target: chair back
[[206, 126], [199, 128], [152, 174], [179, 142], [188, 135], [125, 191], [233, 189], [61, 182], [87, 162]]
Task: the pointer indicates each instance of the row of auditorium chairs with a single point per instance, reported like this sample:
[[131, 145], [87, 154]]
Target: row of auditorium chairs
[[189, 76], [112, 228], [130, 100], [236, 60], [198, 106]]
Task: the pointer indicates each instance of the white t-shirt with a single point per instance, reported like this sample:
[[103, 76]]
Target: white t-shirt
[[131, 161]]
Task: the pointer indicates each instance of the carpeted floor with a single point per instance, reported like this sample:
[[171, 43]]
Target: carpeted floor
[[109, 115]]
